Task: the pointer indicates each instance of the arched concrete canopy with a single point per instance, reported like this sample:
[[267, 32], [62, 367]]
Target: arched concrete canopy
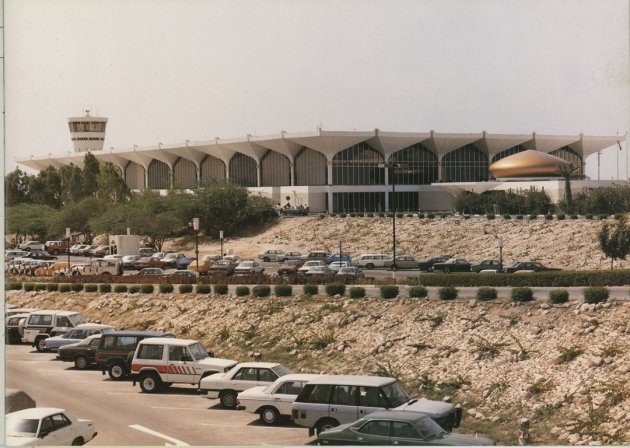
[[548, 143], [329, 143], [215, 149], [115, 159], [163, 156], [493, 144], [442, 143], [279, 144], [186, 152], [588, 145], [246, 147], [391, 142]]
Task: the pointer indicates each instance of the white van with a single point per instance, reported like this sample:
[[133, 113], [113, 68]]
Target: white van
[[331, 400], [13, 253], [372, 261]]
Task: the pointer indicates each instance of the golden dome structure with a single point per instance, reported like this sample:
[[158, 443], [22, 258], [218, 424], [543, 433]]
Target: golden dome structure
[[528, 163]]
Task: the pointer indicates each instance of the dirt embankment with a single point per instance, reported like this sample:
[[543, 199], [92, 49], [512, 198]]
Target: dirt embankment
[[565, 367]]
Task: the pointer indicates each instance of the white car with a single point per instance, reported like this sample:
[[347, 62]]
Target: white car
[[273, 401], [47, 426], [310, 264], [226, 386], [248, 267]]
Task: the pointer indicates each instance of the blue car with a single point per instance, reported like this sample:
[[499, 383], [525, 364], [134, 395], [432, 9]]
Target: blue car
[[335, 257], [77, 334]]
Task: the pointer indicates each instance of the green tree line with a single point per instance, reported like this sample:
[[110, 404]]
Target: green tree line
[[95, 200]]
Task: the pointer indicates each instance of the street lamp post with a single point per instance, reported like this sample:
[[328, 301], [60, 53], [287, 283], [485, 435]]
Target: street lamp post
[[196, 228], [69, 236], [501, 251], [393, 208], [221, 238]]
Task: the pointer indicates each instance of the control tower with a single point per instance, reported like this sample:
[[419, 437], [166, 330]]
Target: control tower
[[88, 133]]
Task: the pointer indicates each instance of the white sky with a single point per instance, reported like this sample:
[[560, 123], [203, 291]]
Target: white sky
[[166, 71]]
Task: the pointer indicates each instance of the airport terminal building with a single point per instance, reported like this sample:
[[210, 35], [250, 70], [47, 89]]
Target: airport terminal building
[[337, 171]]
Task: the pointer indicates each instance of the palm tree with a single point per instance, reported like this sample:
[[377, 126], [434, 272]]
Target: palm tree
[[568, 171]]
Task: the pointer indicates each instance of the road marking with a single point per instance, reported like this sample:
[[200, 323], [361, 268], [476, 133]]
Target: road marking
[[157, 434], [252, 427], [175, 408]]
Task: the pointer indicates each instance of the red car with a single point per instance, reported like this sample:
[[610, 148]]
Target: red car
[[290, 267]]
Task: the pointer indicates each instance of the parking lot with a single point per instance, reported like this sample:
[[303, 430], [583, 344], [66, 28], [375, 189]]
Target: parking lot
[[125, 416]]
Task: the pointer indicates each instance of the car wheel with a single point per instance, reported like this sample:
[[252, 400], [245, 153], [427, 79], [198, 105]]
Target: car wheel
[[394, 267], [54, 252], [149, 383], [81, 362], [117, 372], [78, 441], [447, 270], [266, 259], [14, 271], [269, 416], [369, 266], [40, 345], [325, 425], [228, 399], [76, 273]]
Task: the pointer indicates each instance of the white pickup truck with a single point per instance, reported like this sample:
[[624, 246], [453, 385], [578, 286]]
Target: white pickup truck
[[160, 362]]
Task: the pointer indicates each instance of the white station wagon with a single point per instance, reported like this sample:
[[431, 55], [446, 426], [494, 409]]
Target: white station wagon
[[273, 401]]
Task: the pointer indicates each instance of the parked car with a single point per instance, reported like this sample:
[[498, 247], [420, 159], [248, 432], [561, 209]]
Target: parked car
[[528, 266], [160, 362], [320, 255], [272, 255], [39, 255], [222, 267], [100, 266], [128, 261], [427, 265], [47, 426], [48, 268], [140, 263], [226, 386], [290, 267], [14, 323], [99, 251], [182, 276], [274, 401], [331, 400], [31, 245], [403, 262], [248, 267], [336, 265], [487, 265], [56, 247], [351, 271], [146, 251], [13, 253], [77, 334], [159, 272], [115, 350], [396, 428], [371, 261], [452, 265], [204, 264], [336, 258], [320, 270], [176, 260], [42, 324], [75, 269], [308, 265], [81, 249], [82, 353]]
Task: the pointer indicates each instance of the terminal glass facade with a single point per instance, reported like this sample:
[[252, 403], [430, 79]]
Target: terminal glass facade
[[466, 164], [212, 168], [275, 170], [159, 175], [358, 202], [243, 170], [184, 174], [415, 165], [566, 153], [359, 165], [310, 168], [507, 152]]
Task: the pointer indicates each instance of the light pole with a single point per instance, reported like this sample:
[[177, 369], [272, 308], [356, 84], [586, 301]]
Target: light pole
[[221, 238], [501, 251], [340, 241], [196, 228], [69, 236]]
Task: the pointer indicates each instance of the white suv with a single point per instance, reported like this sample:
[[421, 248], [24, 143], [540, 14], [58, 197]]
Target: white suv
[[40, 325], [160, 362], [371, 261]]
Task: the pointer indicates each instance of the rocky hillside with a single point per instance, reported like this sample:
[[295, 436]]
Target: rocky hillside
[[565, 367], [568, 244]]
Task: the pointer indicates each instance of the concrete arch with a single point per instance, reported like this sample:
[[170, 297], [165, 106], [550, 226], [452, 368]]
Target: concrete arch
[[310, 168], [158, 175], [359, 164], [507, 152], [243, 170], [465, 164], [414, 165], [134, 176], [570, 155], [275, 170], [184, 173], [212, 168]]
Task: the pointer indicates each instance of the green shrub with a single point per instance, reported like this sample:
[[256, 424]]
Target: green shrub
[[203, 289], [342, 215], [486, 293], [166, 288], [40, 286], [448, 293], [310, 290], [559, 296], [134, 289], [420, 215], [549, 217], [77, 287], [321, 216], [332, 289], [104, 288], [595, 294], [418, 291], [444, 215], [430, 215], [381, 215], [13, 286], [507, 216], [261, 291], [242, 291], [466, 216], [185, 289], [522, 294], [283, 290], [519, 217], [618, 216], [120, 288], [51, 287], [146, 289], [65, 287], [400, 215], [357, 292], [390, 215], [220, 289], [370, 215], [533, 217], [588, 216], [90, 287], [490, 216], [353, 215], [574, 216], [560, 216], [603, 216], [389, 291]]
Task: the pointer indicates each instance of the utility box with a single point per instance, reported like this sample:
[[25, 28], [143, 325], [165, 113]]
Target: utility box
[[125, 244]]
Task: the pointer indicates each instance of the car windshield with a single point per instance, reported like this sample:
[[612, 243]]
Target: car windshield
[[429, 429], [21, 426], [76, 319], [281, 370], [395, 393], [198, 351]]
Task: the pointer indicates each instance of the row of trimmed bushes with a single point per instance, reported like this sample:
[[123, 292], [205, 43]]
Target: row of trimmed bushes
[[559, 216], [593, 294]]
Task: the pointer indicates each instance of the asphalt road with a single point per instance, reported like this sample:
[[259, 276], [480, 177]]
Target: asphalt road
[[125, 416]]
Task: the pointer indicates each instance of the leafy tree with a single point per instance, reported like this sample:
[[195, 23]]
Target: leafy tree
[[568, 171], [16, 188], [614, 240], [45, 188], [71, 184], [91, 169], [112, 187], [77, 216], [33, 220], [219, 206]]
